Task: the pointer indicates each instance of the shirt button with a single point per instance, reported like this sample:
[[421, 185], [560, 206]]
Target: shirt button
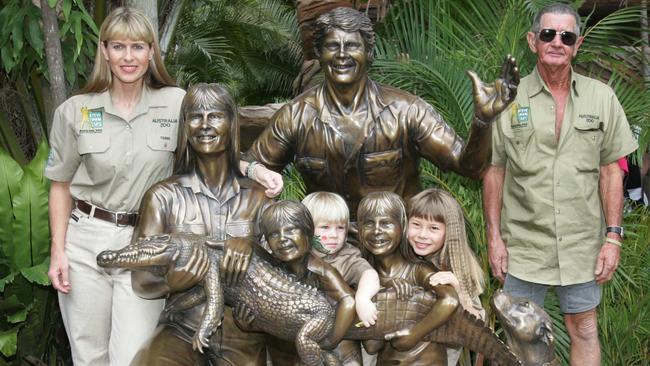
[[557, 184], [347, 196], [560, 238], [558, 211]]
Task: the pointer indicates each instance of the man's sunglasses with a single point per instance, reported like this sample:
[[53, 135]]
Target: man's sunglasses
[[568, 38]]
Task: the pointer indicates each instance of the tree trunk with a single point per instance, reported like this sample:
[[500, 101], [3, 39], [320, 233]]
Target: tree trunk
[[149, 8], [54, 59], [168, 28]]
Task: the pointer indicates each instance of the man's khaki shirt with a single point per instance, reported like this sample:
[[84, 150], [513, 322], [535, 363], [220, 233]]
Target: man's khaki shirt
[[398, 128], [111, 160], [551, 218]]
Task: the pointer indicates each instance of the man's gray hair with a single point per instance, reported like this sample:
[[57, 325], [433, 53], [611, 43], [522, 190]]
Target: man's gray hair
[[557, 8]]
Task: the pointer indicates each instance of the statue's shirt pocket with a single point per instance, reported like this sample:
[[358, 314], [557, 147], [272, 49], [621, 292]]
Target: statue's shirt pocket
[[382, 168]]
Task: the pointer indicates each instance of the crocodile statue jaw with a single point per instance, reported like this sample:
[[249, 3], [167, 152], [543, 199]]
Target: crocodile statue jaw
[[528, 328], [277, 297]]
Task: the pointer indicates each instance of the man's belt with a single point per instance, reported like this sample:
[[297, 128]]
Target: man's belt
[[117, 218]]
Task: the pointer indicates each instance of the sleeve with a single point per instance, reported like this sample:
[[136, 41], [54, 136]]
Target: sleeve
[[432, 136], [353, 266], [64, 158], [333, 284], [618, 140], [151, 218], [499, 157], [273, 147]]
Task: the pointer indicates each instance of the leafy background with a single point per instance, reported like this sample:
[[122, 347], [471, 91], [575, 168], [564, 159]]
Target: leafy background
[[253, 47]]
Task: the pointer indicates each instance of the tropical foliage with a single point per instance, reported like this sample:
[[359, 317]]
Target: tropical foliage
[[252, 46], [24, 74], [30, 325], [425, 46]]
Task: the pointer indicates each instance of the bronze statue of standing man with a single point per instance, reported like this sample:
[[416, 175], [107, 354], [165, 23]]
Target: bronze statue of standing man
[[353, 136]]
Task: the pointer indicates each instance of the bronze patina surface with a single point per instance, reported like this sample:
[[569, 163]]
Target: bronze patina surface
[[207, 197], [353, 136], [274, 296], [528, 328]]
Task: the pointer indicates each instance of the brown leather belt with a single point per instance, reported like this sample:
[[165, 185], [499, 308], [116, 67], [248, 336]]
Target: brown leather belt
[[117, 218]]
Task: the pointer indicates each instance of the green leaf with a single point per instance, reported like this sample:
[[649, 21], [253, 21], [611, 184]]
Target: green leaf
[[20, 315], [35, 36], [78, 35], [38, 274], [52, 3], [8, 341], [30, 227], [11, 305], [17, 34], [7, 61], [7, 280], [67, 7], [10, 175]]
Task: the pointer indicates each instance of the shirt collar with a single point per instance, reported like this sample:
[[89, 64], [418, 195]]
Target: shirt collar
[[372, 97], [103, 100], [196, 184], [537, 85]]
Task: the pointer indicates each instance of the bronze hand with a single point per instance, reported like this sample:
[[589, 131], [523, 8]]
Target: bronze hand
[[492, 99]]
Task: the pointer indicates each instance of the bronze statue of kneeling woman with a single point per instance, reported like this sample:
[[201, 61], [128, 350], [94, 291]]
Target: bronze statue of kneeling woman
[[207, 196]]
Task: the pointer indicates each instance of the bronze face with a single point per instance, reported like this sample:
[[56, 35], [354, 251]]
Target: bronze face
[[380, 234], [288, 242], [208, 130], [343, 57]]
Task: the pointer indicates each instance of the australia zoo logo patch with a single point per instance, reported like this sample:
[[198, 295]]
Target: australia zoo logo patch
[[92, 121]]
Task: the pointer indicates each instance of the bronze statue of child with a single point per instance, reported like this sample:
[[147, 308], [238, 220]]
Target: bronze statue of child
[[382, 233], [288, 228], [436, 233], [331, 221]]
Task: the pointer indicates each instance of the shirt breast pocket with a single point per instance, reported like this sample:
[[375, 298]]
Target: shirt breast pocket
[[93, 143], [162, 136], [312, 167], [589, 137], [97, 160], [382, 168], [519, 139]]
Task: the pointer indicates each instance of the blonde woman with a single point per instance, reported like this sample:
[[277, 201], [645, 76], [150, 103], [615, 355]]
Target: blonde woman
[[109, 144]]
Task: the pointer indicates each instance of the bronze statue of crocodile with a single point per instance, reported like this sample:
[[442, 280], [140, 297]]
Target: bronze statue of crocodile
[[276, 297], [528, 328]]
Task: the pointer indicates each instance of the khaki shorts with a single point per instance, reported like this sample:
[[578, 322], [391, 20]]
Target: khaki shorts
[[574, 299]]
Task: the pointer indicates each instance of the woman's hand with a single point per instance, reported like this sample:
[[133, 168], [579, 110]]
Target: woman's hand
[[58, 272]]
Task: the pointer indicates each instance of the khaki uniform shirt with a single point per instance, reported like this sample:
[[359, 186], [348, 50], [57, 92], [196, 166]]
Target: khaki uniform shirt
[[551, 218], [348, 261], [109, 159], [398, 129]]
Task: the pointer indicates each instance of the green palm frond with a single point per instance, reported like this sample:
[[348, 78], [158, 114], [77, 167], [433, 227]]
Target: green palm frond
[[250, 45]]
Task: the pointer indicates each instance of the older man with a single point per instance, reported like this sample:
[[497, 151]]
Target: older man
[[353, 136], [553, 194]]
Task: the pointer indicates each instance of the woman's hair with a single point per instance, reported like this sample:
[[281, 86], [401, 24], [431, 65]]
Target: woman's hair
[[281, 213], [327, 207], [127, 23], [206, 96], [456, 255], [386, 204]]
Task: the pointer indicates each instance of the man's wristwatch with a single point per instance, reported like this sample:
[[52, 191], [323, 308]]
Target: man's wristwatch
[[615, 229]]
